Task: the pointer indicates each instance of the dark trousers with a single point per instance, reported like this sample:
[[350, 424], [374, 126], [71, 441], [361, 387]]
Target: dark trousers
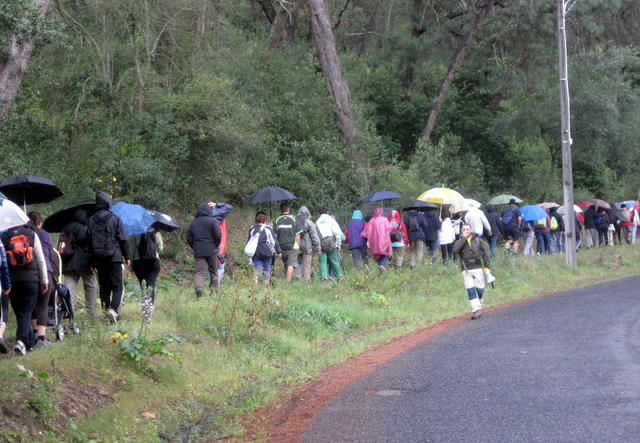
[[23, 298], [41, 311], [147, 270], [110, 282]]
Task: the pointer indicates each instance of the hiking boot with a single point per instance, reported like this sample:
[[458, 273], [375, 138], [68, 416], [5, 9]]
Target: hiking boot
[[476, 314], [112, 316], [198, 294], [43, 343], [20, 348], [3, 346]]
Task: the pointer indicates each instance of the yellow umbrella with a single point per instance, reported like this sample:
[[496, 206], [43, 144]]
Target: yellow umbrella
[[442, 196]]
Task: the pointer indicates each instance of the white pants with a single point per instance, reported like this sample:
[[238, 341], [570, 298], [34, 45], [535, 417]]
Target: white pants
[[474, 279]]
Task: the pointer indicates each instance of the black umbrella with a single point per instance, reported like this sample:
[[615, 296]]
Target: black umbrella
[[269, 194], [164, 222], [29, 189], [419, 205], [59, 219], [381, 196]]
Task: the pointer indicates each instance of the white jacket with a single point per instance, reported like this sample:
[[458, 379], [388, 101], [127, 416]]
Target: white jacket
[[476, 218], [328, 226]]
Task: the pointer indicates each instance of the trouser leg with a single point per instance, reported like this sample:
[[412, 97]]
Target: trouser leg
[[333, 258], [23, 299]]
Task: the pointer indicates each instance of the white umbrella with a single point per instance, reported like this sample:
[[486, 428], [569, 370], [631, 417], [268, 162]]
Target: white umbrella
[[464, 206], [576, 209]]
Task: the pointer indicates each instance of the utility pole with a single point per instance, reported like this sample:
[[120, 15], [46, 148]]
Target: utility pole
[[565, 124]]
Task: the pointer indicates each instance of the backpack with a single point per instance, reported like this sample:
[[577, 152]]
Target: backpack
[[597, 220], [328, 244], [148, 247], [542, 223], [414, 224], [396, 236], [554, 224], [526, 227], [103, 235], [508, 218], [252, 243], [19, 251]]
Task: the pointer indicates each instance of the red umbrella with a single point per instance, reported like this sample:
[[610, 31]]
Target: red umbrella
[[601, 204]]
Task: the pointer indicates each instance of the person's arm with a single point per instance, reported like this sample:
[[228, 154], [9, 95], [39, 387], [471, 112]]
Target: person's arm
[[315, 239], [486, 255], [221, 210], [485, 222], [159, 241], [5, 278], [122, 241], [216, 233], [41, 263], [458, 245], [189, 237]]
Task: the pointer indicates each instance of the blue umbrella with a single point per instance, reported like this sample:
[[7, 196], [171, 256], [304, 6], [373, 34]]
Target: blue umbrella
[[380, 196], [135, 218], [532, 213]]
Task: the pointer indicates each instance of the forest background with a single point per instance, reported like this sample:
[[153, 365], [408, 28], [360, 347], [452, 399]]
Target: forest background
[[167, 102]]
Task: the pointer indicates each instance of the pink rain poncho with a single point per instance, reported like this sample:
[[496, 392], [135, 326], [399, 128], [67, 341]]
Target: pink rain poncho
[[377, 231]]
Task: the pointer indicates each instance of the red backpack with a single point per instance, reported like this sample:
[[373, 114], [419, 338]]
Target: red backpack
[[20, 251]]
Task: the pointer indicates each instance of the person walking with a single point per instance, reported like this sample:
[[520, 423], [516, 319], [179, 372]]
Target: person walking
[[557, 234], [543, 234], [494, 223], [5, 289], [72, 247], [478, 222], [591, 232], [601, 221], [108, 251], [377, 231], [288, 236], [431, 228], [267, 248], [28, 272], [511, 222], [309, 243], [219, 211], [474, 259], [145, 259], [330, 240], [357, 244], [625, 222], [399, 238], [204, 236], [414, 222], [446, 237]]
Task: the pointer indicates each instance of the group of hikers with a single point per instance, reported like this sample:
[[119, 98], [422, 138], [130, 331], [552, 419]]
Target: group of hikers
[[95, 249]]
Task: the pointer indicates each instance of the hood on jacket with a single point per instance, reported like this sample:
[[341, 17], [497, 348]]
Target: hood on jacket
[[103, 200], [378, 212], [304, 212], [395, 217], [491, 208], [357, 215], [80, 216], [203, 210]]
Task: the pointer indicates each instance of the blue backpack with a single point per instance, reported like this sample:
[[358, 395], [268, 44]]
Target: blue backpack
[[509, 219]]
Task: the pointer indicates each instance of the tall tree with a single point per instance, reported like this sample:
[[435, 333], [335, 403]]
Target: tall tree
[[482, 12], [21, 44], [337, 84], [283, 25]]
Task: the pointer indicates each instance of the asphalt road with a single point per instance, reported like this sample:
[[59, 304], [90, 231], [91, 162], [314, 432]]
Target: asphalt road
[[563, 368]]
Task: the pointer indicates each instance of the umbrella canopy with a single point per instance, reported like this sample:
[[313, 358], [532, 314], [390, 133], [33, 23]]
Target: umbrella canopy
[[532, 212], [561, 210], [135, 218], [269, 194], [59, 219], [419, 205], [442, 196], [503, 199], [29, 189], [628, 203], [548, 205], [11, 215], [600, 204], [164, 222], [465, 206], [380, 196]]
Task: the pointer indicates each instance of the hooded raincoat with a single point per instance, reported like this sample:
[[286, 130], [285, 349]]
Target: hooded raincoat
[[377, 231]]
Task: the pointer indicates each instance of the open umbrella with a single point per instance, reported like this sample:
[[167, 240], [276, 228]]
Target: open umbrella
[[135, 218], [548, 205], [269, 194], [11, 215], [628, 203], [442, 196], [29, 190], [503, 199], [381, 196], [59, 219], [164, 222], [532, 212], [419, 205], [464, 206], [561, 210], [600, 204]]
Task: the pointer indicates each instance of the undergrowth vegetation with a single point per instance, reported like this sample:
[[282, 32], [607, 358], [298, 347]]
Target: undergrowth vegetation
[[236, 350]]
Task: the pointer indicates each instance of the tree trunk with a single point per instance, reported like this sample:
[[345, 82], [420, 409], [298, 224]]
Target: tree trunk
[[481, 18], [268, 10], [283, 26], [20, 47], [417, 29], [336, 83]]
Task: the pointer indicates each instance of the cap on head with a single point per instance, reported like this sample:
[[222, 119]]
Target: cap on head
[[512, 201]]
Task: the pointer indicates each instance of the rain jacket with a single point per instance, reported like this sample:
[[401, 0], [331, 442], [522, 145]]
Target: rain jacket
[[309, 240], [398, 225], [433, 225], [418, 234], [220, 211], [473, 254], [36, 271], [328, 226], [377, 231], [446, 234], [476, 218], [103, 206], [588, 214], [5, 279], [354, 229], [203, 233], [493, 218], [76, 234]]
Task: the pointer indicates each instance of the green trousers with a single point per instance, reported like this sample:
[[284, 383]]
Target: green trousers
[[330, 260]]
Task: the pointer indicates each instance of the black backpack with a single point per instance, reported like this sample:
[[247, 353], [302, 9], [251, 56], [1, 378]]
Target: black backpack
[[103, 235], [414, 224], [148, 248]]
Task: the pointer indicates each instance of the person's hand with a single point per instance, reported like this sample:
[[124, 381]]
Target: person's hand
[[489, 234], [94, 269], [212, 204], [6, 291], [127, 262], [466, 231], [44, 287]]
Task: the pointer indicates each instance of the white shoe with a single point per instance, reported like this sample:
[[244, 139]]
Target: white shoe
[[113, 316], [19, 348]]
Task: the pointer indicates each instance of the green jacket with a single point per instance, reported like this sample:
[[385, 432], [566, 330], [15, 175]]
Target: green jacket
[[134, 242], [472, 256]]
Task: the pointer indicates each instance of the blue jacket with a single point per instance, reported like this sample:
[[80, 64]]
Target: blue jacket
[[417, 234], [354, 228], [4, 269], [431, 226]]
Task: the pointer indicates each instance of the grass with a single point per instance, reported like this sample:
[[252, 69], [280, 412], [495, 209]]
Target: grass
[[245, 345]]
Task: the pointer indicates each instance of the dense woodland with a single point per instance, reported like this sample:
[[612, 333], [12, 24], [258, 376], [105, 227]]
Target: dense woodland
[[166, 102]]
